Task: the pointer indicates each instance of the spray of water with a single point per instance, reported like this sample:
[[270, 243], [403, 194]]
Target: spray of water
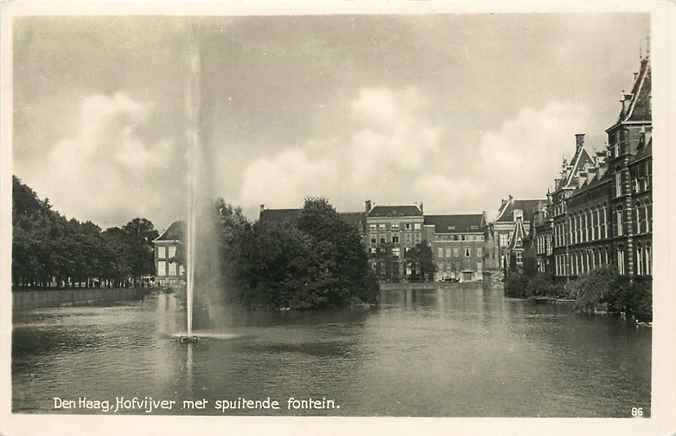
[[193, 104]]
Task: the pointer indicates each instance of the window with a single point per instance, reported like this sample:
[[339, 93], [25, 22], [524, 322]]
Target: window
[[620, 260], [637, 218], [407, 226], [604, 226], [382, 240], [396, 252], [172, 253], [440, 252], [372, 250], [618, 184], [395, 226], [448, 252], [467, 252], [374, 241], [382, 226], [618, 219], [451, 227], [161, 268], [172, 269], [456, 252], [503, 239], [479, 252], [648, 261], [639, 260], [373, 226], [395, 239], [416, 226], [162, 252]]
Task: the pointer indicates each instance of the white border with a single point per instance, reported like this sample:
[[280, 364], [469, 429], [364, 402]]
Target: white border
[[663, 420]]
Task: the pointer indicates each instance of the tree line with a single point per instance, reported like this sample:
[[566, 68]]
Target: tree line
[[49, 250]]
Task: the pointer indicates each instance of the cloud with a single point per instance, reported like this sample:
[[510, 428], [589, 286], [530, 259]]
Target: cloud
[[388, 148], [107, 171], [525, 153], [395, 155]]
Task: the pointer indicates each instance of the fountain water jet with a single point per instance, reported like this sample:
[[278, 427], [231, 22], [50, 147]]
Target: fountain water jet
[[193, 91]]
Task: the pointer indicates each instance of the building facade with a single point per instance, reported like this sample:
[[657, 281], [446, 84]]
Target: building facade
[[390, 232], [458, 244], [502, 229], [601, 209], [168, 269]]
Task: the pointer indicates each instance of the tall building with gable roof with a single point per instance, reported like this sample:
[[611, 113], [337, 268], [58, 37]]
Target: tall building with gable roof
[[601, 206], [510, 212]]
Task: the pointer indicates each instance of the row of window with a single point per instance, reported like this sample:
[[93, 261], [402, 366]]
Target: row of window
[[456, 252], [459, 237], [590, 225], [416, 238], [395, 226], [165, 268], [453, 268], [581, 262], [544, 244], [166, 252]]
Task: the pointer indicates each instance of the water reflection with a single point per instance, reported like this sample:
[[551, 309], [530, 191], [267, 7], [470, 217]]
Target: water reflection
[[439, 352]]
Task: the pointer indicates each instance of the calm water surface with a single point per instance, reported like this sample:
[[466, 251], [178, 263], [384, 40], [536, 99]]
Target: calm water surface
[[445, 352]]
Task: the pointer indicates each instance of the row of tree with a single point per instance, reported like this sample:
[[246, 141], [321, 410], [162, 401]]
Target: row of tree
[[49, 250]]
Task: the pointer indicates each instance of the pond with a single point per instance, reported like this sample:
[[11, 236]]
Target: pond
[[438, 352]]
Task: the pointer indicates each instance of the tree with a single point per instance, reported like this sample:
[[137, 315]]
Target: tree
[[421, 260]]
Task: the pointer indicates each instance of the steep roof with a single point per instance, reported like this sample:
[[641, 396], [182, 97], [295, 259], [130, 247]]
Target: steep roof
[[354, 219], [639, 108], [174, 232], [529, 207], [579, 160], [279, 216], [455, 223], [518, 236], [290, 216], [394, 211]]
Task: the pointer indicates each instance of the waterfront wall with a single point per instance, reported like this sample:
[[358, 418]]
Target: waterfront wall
[[72, 297]]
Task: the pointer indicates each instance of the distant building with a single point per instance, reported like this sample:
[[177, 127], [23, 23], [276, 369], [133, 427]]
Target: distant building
[[510, 212], [542, 237], [168, 270], [458, 244], [390, 232], [290, 216]]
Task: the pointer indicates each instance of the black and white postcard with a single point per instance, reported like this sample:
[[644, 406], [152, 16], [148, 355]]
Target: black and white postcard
[[410, 217]]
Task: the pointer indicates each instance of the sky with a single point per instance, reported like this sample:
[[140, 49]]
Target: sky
[[456, 111]]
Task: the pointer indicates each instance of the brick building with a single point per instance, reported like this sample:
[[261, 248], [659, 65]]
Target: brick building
[[390, 232], [458, 244], [510, 212], [601, 208], [543, 236]]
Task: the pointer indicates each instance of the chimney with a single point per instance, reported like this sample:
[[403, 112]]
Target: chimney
[[262, 208], [421, 207], [579, 141], [367, 206]]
